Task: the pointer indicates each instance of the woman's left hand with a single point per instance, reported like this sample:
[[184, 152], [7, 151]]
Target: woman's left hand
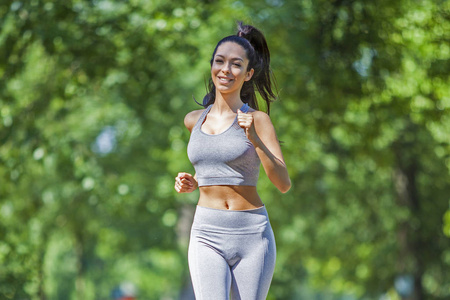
[[246, 121]]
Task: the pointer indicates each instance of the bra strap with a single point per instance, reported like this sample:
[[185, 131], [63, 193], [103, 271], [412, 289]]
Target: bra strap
[[202, 118], [244, 108]]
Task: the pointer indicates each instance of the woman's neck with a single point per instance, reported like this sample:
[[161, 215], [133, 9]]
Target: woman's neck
[[227, 102]]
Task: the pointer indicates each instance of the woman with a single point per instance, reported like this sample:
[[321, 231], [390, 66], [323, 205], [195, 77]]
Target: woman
[[232, 247]]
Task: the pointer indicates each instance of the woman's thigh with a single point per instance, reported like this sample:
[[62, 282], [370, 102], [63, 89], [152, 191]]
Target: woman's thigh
[[210, 272], [252, 275]]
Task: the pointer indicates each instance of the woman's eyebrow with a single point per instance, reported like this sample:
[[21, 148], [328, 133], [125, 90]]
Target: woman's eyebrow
[[233, 58]]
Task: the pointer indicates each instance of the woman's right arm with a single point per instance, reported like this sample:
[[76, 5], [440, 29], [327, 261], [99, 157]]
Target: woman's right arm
[[185, 182]]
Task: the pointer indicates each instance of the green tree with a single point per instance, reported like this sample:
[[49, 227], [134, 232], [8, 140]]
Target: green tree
[[92, 100]]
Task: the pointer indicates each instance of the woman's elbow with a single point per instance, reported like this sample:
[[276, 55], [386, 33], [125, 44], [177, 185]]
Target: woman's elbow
[[284, 187], [281, 180]]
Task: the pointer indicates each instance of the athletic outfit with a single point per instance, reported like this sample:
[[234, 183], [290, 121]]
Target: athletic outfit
[[230, 252]]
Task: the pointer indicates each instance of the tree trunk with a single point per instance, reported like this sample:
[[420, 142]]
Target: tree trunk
[[79, 282], [186, 215], [409, 259], [41, 287]]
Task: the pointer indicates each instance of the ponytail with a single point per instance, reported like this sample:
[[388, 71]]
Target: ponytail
[[255, 46]]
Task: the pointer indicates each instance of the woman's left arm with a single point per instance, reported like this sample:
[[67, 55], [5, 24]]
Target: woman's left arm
[[260, 131]]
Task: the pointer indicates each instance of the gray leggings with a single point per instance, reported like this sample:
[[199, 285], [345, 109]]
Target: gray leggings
[[231, 252]]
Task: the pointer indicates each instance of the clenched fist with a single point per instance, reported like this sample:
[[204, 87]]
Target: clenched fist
[[246, 121], [185, 183]]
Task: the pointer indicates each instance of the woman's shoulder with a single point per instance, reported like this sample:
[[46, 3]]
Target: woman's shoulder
[[192, 117], [260, 116], [263, 123]]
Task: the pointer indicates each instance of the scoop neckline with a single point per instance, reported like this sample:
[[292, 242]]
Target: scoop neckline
[[229, 127], [220, 133]]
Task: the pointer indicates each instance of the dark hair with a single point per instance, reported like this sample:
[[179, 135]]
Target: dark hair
[[255, 46]]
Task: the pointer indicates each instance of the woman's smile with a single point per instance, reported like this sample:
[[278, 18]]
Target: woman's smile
[[225, 80]]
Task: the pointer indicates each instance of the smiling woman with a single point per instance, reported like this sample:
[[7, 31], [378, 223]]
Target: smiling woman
[[232, 248]]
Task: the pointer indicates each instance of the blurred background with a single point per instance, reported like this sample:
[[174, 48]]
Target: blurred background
[[92, 100]]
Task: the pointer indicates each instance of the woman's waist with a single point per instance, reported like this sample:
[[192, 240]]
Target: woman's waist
[[229, 197]]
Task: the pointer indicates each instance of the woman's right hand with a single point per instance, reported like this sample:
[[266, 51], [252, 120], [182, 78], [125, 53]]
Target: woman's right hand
[[185, 183]]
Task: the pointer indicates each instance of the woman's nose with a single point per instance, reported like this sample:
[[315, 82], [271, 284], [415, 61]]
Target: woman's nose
[[226, 68]]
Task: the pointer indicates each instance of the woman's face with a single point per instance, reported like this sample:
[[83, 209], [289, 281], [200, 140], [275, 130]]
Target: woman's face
[[229, 68]]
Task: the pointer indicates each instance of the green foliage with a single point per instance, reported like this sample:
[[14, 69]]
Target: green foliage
[[92, 100]]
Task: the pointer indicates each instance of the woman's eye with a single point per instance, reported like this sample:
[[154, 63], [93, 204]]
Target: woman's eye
[[218, 61], [237, 65]]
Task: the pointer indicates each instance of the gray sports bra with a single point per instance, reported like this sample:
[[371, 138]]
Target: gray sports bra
[[227, 158]]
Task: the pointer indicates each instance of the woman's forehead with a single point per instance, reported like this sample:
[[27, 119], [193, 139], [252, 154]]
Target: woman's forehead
[[231, 49]]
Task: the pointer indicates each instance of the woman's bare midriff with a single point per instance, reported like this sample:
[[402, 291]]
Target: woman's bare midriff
[[230, 197]]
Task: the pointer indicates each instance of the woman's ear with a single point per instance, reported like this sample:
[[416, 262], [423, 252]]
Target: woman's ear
[[249, 74]]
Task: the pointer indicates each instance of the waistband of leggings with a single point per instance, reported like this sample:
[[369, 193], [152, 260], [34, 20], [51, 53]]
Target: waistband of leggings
[[231, 221]]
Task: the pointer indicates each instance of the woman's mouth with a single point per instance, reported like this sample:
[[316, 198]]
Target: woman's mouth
[[224, 80]]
